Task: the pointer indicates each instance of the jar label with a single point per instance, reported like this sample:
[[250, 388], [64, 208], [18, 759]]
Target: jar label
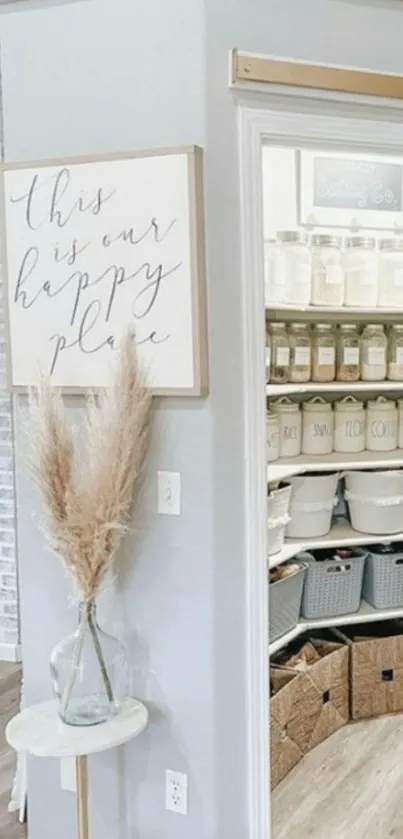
[[326, 355], [303, 274], [399, 355], [376, 355], [283, 356], [398, 277], [334, 275], [351, 355], [368, 276], [268, 356], [280, 270], [302, 356]]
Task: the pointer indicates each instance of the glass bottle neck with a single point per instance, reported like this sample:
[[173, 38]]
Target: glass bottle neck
[[87, 610]]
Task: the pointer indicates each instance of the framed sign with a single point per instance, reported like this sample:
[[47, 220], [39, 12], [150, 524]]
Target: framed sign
[[94, 246], [339, 190]]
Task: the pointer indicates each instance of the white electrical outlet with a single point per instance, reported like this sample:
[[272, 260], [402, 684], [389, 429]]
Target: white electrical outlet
[[176, 792], [169, 493]]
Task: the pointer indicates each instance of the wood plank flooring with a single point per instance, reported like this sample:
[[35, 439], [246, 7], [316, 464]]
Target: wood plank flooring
[[10, 687], [349, 787]]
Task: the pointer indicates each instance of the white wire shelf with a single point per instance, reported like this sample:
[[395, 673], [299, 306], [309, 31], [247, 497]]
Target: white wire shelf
[[334, 387]]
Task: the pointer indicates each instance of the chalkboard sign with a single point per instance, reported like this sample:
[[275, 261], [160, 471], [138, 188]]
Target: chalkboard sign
[[94, 247], [357, 184]]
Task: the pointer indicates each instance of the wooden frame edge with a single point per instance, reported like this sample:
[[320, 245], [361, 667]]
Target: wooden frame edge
[[271, 70]]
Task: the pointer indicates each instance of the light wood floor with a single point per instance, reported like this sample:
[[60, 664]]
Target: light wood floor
[[10, 686], [349, 787]]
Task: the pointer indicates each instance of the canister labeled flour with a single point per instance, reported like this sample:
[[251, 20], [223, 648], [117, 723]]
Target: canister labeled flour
[[289, 415], [317, 426], [349, 426], [381, 432]]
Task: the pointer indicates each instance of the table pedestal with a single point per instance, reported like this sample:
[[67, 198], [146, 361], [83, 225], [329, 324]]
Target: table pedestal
[[82, 796]]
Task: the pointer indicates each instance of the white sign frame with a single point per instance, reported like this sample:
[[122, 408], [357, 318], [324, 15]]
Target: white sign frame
[[196, 250]]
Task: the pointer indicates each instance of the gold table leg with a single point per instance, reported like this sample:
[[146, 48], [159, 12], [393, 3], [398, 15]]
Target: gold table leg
[[82, 796]]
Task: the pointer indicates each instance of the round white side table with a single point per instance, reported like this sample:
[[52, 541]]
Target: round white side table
[[39, 731]]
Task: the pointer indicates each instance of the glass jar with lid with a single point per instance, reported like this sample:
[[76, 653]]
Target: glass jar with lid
[[391, 273], [293, 267], [300, 352], [268, 353], [327, 270], [348, 353], [360, 272], [395, 353], [280, 354], [373, 353], [323, 353]]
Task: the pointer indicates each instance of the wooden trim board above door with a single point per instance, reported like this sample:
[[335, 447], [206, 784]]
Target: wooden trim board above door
[[247, 67]]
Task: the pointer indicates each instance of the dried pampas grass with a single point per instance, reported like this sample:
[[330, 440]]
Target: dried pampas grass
[[88, 496]]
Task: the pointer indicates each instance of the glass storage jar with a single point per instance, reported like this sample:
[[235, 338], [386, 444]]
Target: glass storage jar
[[395, 353], [323, 353], [293, 266], [381, 433], [348, 353], [391, 273], [327, 270], [400, 423], [300, 352], [280, 354], [373, 353], [271, 293], [289, 415], [360, 272], [268, 353]]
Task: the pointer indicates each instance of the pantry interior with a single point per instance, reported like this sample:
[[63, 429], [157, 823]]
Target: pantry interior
[[332, 224]]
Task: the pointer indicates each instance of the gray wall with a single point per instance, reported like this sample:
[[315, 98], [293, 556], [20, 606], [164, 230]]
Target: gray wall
[[103, 75]]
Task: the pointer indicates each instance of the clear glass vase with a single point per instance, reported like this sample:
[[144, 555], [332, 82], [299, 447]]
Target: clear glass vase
[[89, 672]]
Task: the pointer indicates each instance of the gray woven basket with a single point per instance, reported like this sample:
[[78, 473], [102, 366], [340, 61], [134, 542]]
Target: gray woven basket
[[383, 580], [285, 604], [332, 588]]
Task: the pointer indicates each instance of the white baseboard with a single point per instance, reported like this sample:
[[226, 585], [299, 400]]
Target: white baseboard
[[10, 652]]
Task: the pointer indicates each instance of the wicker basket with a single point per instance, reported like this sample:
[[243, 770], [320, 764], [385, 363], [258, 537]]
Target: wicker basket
[[285, 603], [332, 587], [383, 580], [376, 671], [308, 706]]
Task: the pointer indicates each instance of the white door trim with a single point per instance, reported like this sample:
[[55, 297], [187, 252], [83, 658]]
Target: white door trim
[[301, 123]]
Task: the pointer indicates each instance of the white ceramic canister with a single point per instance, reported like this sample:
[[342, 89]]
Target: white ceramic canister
[[349, 426], [381, 433], [317, 426], [400, 424], [272, 437], [289, 415]]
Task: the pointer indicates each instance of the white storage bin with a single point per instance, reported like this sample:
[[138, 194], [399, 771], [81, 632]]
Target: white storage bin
[[317, 426], [278, 501], [289, 415], [313, 498], [381, 432], [349, 426], [272, 437], [375, 501]]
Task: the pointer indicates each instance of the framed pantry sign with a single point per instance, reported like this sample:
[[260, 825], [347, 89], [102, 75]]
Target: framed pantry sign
[[93, 247], [338, 189]]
